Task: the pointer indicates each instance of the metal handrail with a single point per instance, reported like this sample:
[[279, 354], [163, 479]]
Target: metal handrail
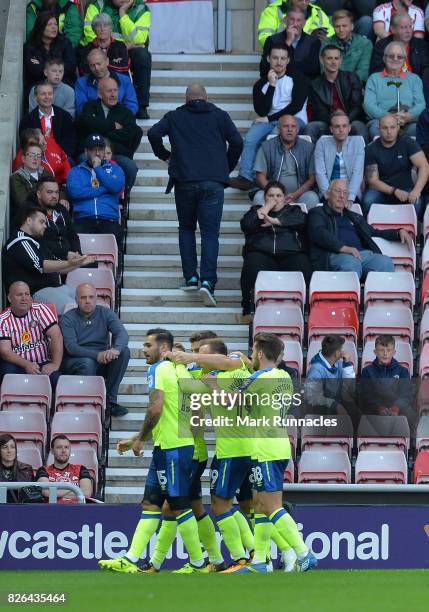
[[52, 486]]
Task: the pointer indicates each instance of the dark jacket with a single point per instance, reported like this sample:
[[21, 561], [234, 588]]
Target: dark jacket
[[276, 239], [419, 57], [304, 56], [385, 386], [199, 133], [24, 473], [323, 236], [422, 132], [60, 237], [262, 102], [35, 59], [349, 90], [93, 121], [22, 183], [117, 54], [62, 126]]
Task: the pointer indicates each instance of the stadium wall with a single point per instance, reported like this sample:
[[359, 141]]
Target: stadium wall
[[11, 87], [61, 537]]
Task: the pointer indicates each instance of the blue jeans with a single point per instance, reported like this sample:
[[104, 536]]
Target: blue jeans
[[202, 202], [374, 129], [369, 262], [112, 372], [372, 196], [129, 167], [11, 368]]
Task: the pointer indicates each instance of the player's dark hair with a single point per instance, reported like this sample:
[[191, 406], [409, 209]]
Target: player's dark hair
[[216, 345], [384, 340], [269, 344], [331, 48], [274, 185], [162, 335], [331, 343], [281, 47], [201, 335], [58, 437], [29, 211], [45, 179]]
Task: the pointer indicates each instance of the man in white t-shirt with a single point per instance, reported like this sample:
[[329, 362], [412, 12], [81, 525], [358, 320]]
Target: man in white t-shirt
[[383, 14], [283, 91]]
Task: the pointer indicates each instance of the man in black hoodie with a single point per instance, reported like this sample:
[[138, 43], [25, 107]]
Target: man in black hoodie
[[283, 91], [199, 164]]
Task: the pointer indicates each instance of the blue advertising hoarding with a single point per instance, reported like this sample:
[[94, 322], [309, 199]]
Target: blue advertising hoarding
[[342, 537]]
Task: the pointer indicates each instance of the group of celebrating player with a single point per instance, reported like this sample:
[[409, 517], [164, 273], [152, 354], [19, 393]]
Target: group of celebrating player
[[247, 466]]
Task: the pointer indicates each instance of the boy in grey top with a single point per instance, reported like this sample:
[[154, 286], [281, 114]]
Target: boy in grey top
[[87, 348], [63, 94]]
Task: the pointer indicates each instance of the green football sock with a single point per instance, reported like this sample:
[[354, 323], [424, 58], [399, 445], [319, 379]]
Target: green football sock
[[263, 528], [231, 535], [288, 530], [207, 533], [245, 531], [278, 540], [188, 529], [145, 529], [165, 539]]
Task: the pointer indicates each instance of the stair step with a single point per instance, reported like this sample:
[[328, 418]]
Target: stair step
[[219, 92], [143, 193], [236, 110], [242, 120], [168, 245], [216, 62], [155, 298], [172, 314], [208, 77], [166, 280], [230, 333], [169, 227], [169, 261], [156, 211]]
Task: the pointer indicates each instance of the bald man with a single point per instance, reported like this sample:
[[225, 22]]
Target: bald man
[[88, 349], [109, 117], [86, 87], [341, 240], [30, 338], [205, 147]]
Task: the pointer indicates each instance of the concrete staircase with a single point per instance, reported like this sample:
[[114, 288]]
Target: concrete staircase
[[151, 294]]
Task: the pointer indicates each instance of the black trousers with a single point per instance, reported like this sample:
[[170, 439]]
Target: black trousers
[[141, 65], [255, 262]]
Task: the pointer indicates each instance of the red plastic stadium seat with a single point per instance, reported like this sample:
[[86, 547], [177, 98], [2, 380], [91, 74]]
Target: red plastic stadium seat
[[324, 437], [29, 391], [102, 279], [397, 216], [333, 286], [425, 258], [327, 466], [333, 318], [27, 452], [404, 354], [82, 427], [289, 474], [25, 425], [82, 456], [426, 223], [403, 256], [281, 319], [392, 319], [376, 431], [292, 432], [390, 287], [422, 435], [280, 286], [104, 247], [423, 395], [349, 347], [424, 328], [421, 468], [424, 292], [292, 354], [376, 467], [76, 393]]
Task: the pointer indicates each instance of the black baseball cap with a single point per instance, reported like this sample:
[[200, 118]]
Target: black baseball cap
[[94, 140]]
